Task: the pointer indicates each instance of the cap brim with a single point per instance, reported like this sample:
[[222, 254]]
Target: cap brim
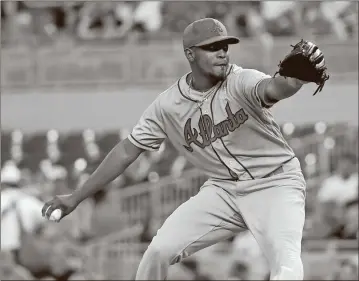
[[227, 39]]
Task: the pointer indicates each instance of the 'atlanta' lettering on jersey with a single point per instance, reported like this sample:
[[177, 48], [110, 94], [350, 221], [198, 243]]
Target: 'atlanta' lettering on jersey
[[244, 140], [206, 127]]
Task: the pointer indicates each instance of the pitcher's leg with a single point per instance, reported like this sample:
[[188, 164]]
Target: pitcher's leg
[[203, 220], [276, 217]]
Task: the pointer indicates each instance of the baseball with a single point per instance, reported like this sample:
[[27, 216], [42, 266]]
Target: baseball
[[55, 215]]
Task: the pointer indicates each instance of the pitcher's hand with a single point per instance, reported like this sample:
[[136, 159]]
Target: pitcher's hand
[[66, 203]]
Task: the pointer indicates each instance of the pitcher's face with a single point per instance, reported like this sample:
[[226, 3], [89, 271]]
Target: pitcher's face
[[212, 60]]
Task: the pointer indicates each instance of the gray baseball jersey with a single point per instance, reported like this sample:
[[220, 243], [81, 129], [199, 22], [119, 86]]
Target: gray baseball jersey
[[226, 132]]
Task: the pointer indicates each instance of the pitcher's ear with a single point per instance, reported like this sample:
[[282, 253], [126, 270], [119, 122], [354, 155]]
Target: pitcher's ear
[[189, 54]]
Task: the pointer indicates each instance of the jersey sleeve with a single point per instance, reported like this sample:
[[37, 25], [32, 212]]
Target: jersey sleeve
[[244, 83], [149, 131]]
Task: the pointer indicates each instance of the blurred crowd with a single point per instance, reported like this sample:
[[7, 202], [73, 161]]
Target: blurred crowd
[[37, 166], [68, 158], [137, 21], [336, 211]]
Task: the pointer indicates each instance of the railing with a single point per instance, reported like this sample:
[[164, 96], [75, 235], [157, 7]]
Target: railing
[[114, 261], [166, 195], [344, 138]]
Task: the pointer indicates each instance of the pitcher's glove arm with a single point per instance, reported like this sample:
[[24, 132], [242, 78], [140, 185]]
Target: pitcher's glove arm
[[305, 62]]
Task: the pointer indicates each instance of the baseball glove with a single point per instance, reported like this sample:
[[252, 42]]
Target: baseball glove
[[305, 62]]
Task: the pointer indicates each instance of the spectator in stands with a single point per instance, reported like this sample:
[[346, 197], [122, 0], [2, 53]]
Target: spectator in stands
[[91, 22], [54, 179], [147, 19], [218, 10], [342, 186], [16, 147], [81, 224], [19, 156], [239, 15], [16, 22], [333, 11], [247, 20], [282, 17], [121, 22], [335, 17], [65, 16], [139, 170], [167, 162], [21, 227], [93, 155], [89, 221], [350, 221], [325, 222], [261, 20], [178, 14], [104, 20], [95, 217], [337, 200]]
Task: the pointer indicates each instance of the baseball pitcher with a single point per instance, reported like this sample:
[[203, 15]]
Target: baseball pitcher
[[219, 117]]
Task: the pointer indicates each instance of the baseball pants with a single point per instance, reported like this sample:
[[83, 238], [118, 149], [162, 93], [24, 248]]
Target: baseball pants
[[272, 208]]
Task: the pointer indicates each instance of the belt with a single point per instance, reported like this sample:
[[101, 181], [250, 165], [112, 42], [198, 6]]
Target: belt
[[279, 170], [275, 172]]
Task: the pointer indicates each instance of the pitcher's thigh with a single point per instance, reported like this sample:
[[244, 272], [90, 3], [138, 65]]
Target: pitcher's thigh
[[203, 220], [276, 217]]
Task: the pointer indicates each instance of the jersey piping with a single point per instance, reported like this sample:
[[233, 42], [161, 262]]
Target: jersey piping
[[233, 175], [225, 147]]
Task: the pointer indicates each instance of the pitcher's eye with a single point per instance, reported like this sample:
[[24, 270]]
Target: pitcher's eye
[[215, 47]]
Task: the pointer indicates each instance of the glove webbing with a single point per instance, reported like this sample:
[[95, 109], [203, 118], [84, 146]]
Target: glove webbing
[[320, 87]]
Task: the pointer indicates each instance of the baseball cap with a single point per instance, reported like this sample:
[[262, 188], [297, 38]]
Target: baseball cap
[[204, 32]]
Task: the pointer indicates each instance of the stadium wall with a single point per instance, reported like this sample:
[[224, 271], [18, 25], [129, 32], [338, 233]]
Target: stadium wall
[[93, 86], [71, 110]]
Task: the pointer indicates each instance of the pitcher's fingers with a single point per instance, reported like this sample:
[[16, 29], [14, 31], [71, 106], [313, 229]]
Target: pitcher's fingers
[[45, 207], [49, 211]]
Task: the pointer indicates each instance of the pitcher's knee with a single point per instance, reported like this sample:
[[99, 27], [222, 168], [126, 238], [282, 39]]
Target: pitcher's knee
[[291, 269]]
